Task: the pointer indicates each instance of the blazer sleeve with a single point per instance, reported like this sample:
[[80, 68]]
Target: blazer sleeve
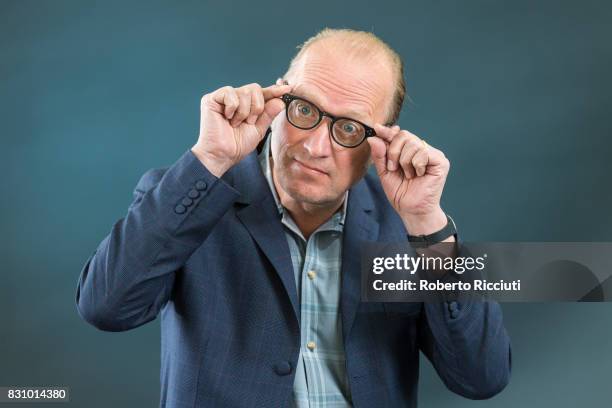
[[468, 345], [129, 277]]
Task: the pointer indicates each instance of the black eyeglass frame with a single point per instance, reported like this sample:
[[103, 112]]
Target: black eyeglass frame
[[288, 98]]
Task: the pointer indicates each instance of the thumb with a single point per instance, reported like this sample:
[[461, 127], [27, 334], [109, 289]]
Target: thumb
[[271, 109], [378, 151]]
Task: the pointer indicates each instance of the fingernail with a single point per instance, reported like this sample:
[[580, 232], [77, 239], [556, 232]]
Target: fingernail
[[390, 165]]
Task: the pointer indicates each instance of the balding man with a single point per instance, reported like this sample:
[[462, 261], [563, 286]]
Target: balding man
[[249, 246]]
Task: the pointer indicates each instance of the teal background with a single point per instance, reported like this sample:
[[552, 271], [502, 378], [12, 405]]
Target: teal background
[[92, 94]]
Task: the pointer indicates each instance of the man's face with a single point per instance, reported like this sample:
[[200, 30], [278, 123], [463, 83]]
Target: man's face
[[309, 166]]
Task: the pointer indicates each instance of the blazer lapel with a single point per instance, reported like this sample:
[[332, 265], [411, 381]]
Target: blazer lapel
[[359, 226], [257, 211], [260, 216]]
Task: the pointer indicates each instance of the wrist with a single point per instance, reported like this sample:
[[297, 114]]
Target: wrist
[[426, 223], [214, 165]]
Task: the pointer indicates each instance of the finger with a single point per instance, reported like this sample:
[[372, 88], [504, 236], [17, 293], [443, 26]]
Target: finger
[[411, 148], [227, 97], [385, 133], [271, 109], [405, 161], [398, 140], [435, 156], [438, 163], [257, 105], [244, 107], [378, 152], [420, 161], [275, 91]]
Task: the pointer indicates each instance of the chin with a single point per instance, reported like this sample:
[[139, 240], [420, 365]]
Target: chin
[[315, 195]]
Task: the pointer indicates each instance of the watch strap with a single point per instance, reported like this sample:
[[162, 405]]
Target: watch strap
[[449, 229]]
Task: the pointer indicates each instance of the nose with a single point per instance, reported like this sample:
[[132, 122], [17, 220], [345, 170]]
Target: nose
[[318, 140]]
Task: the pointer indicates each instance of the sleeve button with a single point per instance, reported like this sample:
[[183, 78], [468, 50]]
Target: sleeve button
[[193, 193], [200, 185], [180, 209], [187, 201]]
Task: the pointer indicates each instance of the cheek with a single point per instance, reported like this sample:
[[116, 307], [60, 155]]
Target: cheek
[[350, 166], [283, 138]]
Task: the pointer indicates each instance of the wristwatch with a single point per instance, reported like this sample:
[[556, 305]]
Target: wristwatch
[[449, 229]]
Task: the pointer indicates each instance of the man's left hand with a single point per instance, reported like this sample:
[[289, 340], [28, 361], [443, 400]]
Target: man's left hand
[[412, 174]]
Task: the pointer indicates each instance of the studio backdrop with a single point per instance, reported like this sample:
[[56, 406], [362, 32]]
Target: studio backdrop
[[93, 94]]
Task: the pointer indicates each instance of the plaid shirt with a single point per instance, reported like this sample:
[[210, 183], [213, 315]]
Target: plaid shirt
[[320, 378]]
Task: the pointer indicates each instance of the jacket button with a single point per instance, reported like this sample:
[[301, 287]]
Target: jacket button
[[193, 193], [282, 368], [180, 209], [200, 185]]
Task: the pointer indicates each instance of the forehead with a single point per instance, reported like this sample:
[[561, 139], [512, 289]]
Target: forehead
[[343, 84]]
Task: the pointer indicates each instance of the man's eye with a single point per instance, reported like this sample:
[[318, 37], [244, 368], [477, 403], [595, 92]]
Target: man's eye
[[349, 128], [305, 110]]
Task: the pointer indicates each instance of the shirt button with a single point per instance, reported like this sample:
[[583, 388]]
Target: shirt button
[[311, 345], [312, 275]]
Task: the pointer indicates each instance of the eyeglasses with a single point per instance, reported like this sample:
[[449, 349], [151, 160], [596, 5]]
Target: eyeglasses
[[306, 115]]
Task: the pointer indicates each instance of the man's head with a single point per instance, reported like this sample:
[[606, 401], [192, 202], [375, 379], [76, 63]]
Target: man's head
[[346, 73]]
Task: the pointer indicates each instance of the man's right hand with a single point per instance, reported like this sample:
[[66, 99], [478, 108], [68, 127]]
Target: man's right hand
[[233, 121]]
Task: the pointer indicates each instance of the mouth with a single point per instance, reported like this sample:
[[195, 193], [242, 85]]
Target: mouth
[[310, 169]]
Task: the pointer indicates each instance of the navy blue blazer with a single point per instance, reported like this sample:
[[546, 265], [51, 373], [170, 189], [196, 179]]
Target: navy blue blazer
[[210, 256]]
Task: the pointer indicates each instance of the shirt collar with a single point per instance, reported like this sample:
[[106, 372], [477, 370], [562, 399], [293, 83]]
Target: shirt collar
[[336, 222]]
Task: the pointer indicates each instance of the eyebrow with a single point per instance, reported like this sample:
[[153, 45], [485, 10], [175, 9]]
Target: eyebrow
[[302, 93]]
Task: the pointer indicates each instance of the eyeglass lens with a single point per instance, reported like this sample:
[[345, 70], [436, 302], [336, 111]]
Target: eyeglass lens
[[304, 115]]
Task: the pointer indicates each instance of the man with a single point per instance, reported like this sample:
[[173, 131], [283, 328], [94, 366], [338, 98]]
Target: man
[[249, 247]]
